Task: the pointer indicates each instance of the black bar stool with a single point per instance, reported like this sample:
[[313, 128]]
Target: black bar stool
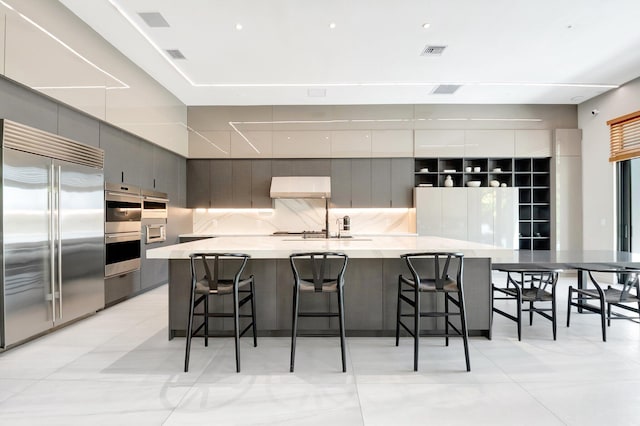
[[529, 284], [212, 284], [317, 265], [624, 289], [439, 273]]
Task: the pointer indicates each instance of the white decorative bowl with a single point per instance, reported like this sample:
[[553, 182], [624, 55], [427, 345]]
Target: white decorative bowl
[[473, 183]]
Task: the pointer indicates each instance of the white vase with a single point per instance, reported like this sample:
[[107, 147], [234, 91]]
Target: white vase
[[448, 182]]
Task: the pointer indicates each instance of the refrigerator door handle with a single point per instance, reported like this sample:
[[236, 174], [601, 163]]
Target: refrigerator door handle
[[52, 244], [59, 239]]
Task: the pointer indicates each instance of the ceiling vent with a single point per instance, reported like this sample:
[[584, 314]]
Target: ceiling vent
[[433, 50], [445, 89], [153, 19], [175, 54]]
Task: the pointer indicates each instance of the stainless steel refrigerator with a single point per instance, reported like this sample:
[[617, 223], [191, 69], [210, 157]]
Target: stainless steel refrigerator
[[52, 231]]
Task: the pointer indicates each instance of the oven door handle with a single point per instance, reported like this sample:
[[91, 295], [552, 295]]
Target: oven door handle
[[122, 237], [158, 200], [118, 196]]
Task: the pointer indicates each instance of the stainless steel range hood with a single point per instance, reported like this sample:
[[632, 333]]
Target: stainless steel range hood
[[301, 187]]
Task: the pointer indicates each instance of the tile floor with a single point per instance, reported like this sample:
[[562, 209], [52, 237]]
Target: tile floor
[[118, 367]]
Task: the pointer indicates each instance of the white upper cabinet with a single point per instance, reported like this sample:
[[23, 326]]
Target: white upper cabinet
[[209, 144], [488, 143], [257, 144], [38, 61], [439, 143], [533, 143], [302, 144], [392, 143], [350, 143]]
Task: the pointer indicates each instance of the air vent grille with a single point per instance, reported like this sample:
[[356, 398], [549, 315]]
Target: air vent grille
[[153, 19], [35, 141], [433, 50], [445, 89], [175, 54]]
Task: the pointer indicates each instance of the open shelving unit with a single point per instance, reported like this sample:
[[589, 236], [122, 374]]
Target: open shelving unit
[[532, 177]]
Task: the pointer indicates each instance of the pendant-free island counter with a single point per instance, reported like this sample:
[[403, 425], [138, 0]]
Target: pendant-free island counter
[[370, 281]]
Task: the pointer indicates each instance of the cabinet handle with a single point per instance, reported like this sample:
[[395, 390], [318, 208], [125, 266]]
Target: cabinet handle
[[122, 177]]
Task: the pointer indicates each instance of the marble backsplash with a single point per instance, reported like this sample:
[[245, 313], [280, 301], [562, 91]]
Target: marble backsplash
[[301, 215]]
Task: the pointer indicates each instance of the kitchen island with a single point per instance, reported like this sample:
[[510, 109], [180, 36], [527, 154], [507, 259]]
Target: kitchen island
[[370, 281]]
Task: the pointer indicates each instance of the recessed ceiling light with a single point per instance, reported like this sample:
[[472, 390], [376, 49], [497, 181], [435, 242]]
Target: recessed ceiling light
[[332, 25], [426, 25], [238, 27]]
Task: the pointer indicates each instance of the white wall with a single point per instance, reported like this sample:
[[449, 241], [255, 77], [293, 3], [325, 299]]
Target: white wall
[[598, 175]]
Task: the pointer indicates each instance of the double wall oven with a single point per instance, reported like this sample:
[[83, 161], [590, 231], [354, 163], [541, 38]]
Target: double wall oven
[[123, 221]]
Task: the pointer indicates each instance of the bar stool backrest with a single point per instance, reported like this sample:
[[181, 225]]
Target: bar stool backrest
[[212, 265], [437, 267], [319, 265]]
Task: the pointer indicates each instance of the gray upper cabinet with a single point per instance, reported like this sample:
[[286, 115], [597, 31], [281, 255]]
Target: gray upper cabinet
[[402, 181], [78, 126], [301, 167], [311, 167], [361, 182], [381, 182], [121, 155], [23, 105], [159, 169], [220, 184], [282, 167], [378, 182], [181, 199], [357, 182], [198, 181], [229, 183], [261, 184], [341, 182], [241, 183], [166, 171], [147, 176]]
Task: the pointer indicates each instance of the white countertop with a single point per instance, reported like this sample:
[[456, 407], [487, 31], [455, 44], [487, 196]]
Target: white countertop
[[270, 247], [209, 235]]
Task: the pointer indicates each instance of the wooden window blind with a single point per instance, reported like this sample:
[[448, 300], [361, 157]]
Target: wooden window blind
[[625, 137]]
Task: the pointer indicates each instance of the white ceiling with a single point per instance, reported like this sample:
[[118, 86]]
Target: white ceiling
[[501, 51]]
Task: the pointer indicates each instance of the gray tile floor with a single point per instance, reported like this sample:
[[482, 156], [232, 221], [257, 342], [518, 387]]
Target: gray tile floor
[[118, 367]]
